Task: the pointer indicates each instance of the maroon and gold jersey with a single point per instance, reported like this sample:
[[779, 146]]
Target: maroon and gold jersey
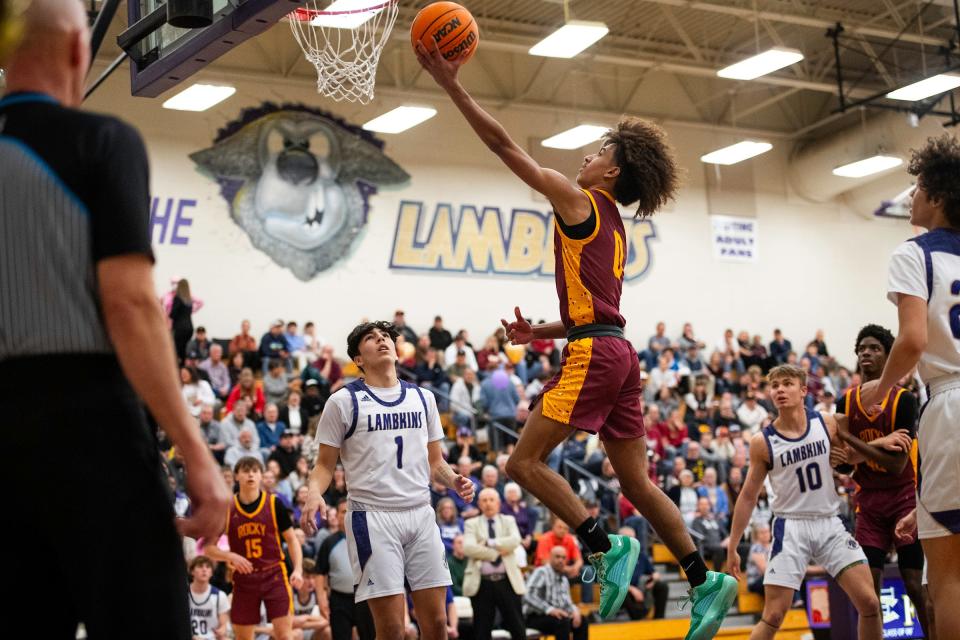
[[869, 475], [589, 272], [256, 536]]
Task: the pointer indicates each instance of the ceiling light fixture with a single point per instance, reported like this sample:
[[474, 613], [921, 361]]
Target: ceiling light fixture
[[576, 137], [867, 166], [736, 152], [761, 64], [570, 39], [199, 97], [400, 119]]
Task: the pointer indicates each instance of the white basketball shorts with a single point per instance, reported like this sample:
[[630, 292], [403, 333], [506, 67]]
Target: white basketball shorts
[[800, 542], [938, 444], [390, 550]]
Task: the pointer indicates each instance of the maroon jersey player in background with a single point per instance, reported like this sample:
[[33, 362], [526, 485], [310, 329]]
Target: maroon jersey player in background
[[884, 497], [255, 523], [598, 387]]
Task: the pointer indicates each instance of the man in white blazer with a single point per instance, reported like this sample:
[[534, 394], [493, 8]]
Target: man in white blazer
[[492, 579]]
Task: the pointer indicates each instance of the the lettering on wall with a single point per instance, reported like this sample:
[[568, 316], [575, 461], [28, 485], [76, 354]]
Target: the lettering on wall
[[487, 240], [170, 219], [735, 239]]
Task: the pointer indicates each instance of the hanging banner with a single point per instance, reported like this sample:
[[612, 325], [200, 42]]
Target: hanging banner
[[735, 239]]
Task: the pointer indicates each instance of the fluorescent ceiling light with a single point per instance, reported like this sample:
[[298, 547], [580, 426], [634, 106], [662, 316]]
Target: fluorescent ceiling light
[[925, 88], [867, 166], [736, 152], [400, 119], [346, 20], [575, 138], [570, 39], [199, 97], [761, 64]]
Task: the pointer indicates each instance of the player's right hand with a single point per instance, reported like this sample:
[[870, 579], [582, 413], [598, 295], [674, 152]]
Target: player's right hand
[[733, 561], [906, 529], [308, 519], [519, 331], [209, 496], [240, 564]]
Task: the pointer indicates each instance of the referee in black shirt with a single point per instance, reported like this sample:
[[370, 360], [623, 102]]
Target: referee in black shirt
[[82, 343]]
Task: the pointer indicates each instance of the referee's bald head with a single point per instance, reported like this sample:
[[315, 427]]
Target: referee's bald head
[[53, 53]]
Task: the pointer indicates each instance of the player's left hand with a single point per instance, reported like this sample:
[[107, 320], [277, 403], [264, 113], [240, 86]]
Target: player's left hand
[[296, 579], [444, 71], [899, 440], [871, 394], [464, 488], [906, 529]]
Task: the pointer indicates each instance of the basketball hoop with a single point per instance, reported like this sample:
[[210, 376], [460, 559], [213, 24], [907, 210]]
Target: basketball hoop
[[344, 42]]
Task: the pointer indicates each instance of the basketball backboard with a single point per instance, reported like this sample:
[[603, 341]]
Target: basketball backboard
[[162, 56]]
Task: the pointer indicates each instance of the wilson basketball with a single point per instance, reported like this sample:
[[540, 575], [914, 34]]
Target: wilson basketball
[[448, 26]]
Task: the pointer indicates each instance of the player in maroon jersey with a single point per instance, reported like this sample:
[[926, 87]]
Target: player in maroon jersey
[[255, 523], [598, 387], [884, 497]]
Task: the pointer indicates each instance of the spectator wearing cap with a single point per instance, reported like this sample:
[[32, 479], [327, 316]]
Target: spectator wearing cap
[[827, 404], [464, 447], [452, 352], [440, 338], [400, 322], [200, 344], [464, 398], [274, 345], [313, 398], [287, 453], [751, 414]]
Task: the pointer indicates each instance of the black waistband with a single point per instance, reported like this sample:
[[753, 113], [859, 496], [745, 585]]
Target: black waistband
[[594, 331]]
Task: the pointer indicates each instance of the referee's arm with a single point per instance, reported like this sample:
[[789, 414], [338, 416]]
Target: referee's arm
[[144, 348]]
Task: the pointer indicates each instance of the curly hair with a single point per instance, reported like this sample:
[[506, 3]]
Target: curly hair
[[649, 174], [361, 330], [937, 167], [880, 334]]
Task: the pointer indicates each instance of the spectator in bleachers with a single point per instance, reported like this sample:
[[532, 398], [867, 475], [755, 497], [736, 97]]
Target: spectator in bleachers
[[662, 377], [751, 414], [200, 344], [692, 360], [211, 431], [757, 558], [293, 414], [712, 538], [525, 517], [547, 605], [196, 392], [684, 495], [296, 345], [464, 398], [688, 339], [237, 422], [827, 403], [314, 398], [780, 347], [440, 338], [668, 401], [275, 382], [296, 478], [453, 351], [286, 453], [429, 374], [270, 429], [247, 389], [492, 580], [710, 490], [218, 372], [457, 562], [464, 447], [334, 586], [338, 487], [733, 486], [488, 358], [400, 322], [245, 447], [559, 535], [449, 522], [697, 462], [235, 366], [645, 586], [244, 343], [274, 346], [490, 479]]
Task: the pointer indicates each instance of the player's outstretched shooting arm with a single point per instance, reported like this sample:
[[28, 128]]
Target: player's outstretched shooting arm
[[757, 473], [890, 452], [441, 472], [571, 204]]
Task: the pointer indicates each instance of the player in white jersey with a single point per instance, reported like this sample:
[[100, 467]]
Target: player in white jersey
[[924, 283], [795, 453], [208, 605], [387, 433]]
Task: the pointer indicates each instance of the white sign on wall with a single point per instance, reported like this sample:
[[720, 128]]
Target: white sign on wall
[[735, 239]]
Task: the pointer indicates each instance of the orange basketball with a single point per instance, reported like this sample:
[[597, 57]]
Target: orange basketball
[[450, 26]]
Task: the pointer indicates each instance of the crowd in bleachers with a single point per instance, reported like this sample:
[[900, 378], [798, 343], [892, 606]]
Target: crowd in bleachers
[[262, 397]]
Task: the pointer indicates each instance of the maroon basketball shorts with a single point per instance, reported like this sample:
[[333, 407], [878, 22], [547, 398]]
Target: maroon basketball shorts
[[878, 511], [597, 389], [270, 586]]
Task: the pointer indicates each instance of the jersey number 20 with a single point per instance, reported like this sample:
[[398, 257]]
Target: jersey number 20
[[955, 310]]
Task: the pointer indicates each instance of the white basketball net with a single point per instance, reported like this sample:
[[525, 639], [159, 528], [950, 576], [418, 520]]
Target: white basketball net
[[344, 42]]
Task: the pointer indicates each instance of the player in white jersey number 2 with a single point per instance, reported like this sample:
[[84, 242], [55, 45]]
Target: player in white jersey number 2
[[924, 283], [387, 433], [795, 452]]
